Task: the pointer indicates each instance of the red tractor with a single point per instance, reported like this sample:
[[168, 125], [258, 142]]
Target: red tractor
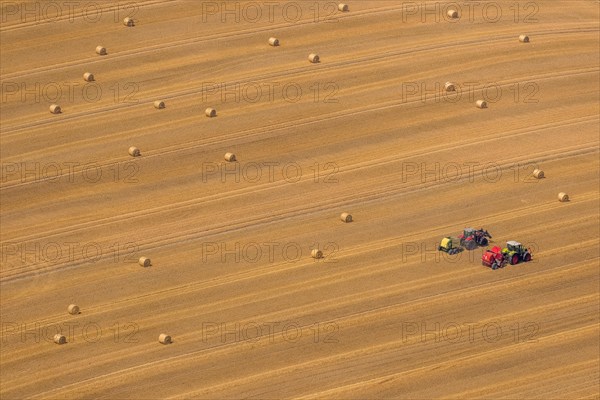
[[472, 238]]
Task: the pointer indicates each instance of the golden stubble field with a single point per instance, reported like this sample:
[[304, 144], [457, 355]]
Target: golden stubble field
[[369, 130]]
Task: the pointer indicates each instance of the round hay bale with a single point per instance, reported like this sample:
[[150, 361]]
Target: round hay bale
[[60, 339], [55, 109], [144, 262], [452, 13], [316, 253], [134, 151], [343, 7], [164, 339], [230, 157], [88, 77], [101, 50], [313, 58], [562, 197], [159, 104], [274, 42], [73, 309], [538, 173], [128, 22], [345, 217], [523, 38], [481, 104], [210, 112], [449, 87]]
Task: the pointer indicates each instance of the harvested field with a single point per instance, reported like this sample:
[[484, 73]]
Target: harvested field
[[371, 130]]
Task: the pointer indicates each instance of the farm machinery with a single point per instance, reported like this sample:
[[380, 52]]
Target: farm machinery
[[512, 254], [493, 258], [450, 245], [470, 239], [473, 238]]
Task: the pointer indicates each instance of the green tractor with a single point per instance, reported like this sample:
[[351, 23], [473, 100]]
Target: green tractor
[[515, 252], [450, 245]]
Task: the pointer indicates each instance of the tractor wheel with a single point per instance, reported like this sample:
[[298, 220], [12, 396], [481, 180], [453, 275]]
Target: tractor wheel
[[483, 242], [527, 257], [470, 245], [515, 259]]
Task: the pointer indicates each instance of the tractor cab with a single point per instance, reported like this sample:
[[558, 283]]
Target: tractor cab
[[513, 246], [470, 239], [468, 232]]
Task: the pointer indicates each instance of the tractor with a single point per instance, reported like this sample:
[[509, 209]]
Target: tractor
[[472, 238], [512, 254], [515, 252], [449, 245]]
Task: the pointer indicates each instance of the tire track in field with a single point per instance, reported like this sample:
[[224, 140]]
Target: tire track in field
[[484, 287], [352, 321], [278, 268], [258, 133], [303, 211], [572, 151], [234, 34], [353, 301], [552, 339], [321, 282], [375, 351], [505, 389], [271, 75], [576, 28], [375, 313], [78, 14], [193, 234]]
